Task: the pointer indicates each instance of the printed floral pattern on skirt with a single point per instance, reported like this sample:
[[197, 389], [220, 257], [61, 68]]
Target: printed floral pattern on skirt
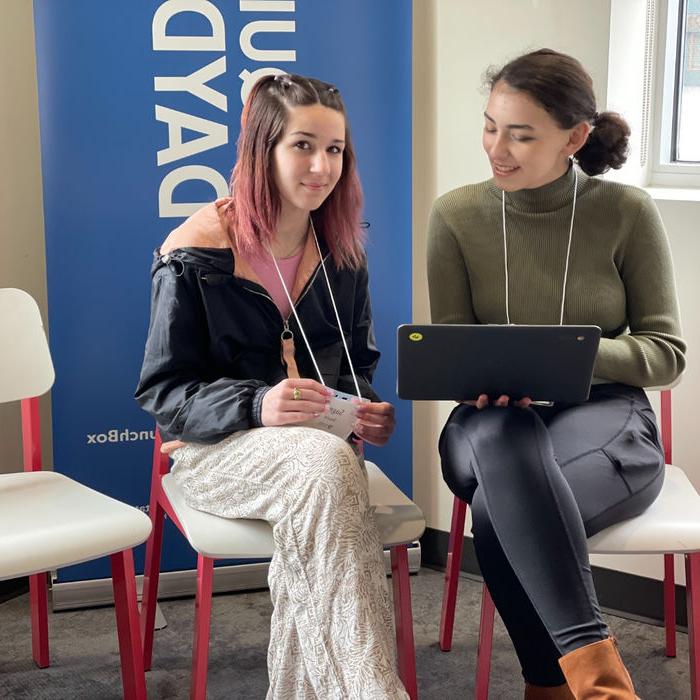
[[331, 628]]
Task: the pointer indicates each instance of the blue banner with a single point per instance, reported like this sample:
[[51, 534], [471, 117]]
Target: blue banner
[[139, 111]]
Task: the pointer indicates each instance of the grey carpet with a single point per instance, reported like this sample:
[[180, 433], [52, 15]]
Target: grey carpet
[[85, 660]]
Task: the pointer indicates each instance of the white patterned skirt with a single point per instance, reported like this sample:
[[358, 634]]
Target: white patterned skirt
[[331, 629]]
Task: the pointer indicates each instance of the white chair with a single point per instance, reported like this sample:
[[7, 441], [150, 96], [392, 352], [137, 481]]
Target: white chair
[[671, 525], [399, 520], [48, 520]]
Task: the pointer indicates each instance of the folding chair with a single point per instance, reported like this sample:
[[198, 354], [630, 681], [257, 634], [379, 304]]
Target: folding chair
[[48, 520], [671, 525], [399, 520]]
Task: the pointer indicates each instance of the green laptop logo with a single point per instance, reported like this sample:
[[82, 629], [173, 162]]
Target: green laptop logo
[[415, 337]]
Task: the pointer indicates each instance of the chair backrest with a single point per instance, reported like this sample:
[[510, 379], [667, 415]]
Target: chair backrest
[[666, 416], [161, 462], [26, 369]]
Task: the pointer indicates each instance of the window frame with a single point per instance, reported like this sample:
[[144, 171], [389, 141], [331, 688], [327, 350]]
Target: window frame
[[670, 44]]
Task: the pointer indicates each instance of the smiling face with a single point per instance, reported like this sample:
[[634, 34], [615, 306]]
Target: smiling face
[[308, 158], [525, 145]]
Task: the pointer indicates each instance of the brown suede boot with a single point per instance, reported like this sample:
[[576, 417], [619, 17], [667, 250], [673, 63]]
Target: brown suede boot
[[596, 672], [538, 692]]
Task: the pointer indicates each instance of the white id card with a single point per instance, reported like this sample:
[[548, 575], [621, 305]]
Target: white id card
[[341, 415]]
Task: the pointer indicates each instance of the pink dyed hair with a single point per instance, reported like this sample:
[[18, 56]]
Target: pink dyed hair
[[255, 205]]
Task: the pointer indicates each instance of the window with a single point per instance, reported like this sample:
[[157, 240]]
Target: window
[[677, 115], [687, 146]]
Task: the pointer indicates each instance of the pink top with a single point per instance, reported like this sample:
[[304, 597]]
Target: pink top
[[265, 269]]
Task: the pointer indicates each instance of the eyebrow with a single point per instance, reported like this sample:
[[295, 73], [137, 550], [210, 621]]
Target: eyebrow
[[511, 126], [312, 136]]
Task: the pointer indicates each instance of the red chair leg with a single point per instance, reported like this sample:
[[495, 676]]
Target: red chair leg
[[39, 607], [692, 587], [483, 655], [202, 623], [670, 605], [127, 613], [403, 619], [151, 573], [452, 568]]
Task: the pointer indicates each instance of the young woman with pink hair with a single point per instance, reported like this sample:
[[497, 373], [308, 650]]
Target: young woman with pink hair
[[255, 298]]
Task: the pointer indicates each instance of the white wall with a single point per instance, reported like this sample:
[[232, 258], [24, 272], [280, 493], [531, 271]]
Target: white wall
[[454, 42], [21, 208]]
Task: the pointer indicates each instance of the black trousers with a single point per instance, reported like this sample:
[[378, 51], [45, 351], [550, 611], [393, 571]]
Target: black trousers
[[539, 481]]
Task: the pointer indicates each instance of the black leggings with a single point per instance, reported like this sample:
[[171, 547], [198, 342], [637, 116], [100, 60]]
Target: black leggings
[[539, 481]]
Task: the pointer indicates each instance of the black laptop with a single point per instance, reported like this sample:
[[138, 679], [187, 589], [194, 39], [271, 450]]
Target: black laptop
[[459, 362]]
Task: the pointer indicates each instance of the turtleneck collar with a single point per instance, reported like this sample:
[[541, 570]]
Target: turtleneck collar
[[550, 197]]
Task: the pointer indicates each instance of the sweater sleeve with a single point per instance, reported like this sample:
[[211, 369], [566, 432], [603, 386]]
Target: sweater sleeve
[[448, 277], [651, 352], [176, 385]]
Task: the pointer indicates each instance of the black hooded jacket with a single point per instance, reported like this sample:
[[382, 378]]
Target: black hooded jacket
[[213, 347]]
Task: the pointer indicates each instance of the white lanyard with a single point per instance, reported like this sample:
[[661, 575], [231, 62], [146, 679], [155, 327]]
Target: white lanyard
[[335, 309], [568, 250]]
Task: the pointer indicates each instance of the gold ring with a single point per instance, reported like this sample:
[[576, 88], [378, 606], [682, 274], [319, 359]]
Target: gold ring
[[296, 394]]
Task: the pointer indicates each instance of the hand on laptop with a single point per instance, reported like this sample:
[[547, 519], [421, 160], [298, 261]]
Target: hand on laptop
[[502, 401]]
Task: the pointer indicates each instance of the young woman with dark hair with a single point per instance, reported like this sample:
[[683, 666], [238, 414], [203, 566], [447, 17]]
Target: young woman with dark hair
[[236, 288], [544, 242]]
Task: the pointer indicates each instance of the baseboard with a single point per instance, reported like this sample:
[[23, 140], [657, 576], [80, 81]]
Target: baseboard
[[620, 593], [179, 584]]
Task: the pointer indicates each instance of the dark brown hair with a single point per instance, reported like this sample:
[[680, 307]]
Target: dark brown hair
[[255, 205], [563, 87]]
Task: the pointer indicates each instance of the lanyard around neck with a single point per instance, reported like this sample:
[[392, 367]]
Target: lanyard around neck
[[335, 309], [568, 250]]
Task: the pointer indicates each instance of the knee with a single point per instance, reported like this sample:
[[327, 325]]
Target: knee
[[514, 448], [331, 464], [490, 443], [508, 428], [492, 426], [456, 453], [459, 476]]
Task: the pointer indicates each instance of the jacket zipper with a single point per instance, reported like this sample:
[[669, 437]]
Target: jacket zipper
[[287, 336]]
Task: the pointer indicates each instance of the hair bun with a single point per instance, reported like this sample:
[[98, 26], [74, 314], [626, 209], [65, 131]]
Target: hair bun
[[607, 145]]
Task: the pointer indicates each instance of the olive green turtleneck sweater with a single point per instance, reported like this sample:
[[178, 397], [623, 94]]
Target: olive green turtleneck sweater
[[620, 271]]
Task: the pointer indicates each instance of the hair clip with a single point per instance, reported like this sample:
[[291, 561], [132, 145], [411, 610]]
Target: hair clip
[[333, 90], [283, 79]]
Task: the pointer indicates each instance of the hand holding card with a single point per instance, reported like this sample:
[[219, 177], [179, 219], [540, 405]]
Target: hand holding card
[[340, 417], [375, 422]]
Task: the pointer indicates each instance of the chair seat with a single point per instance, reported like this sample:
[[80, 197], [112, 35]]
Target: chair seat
[[398, 519], [47, 520], [670, 525]]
